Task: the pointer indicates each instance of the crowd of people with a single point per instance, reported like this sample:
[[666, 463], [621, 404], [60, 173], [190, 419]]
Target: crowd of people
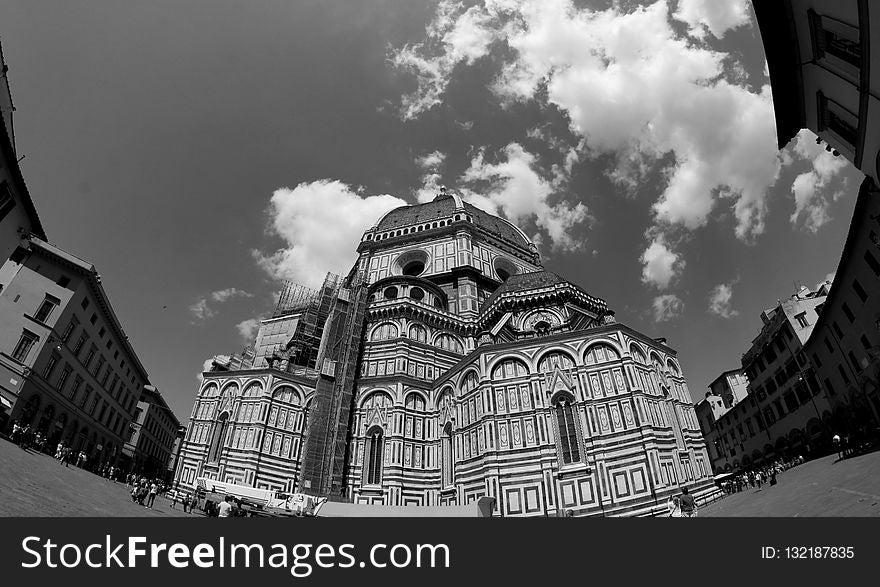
[[755, 478]]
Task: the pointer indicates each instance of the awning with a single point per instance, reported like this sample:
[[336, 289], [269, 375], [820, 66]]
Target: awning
[[723, 476], [5, 403]]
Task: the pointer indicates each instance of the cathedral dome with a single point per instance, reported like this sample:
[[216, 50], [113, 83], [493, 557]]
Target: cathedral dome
[[528, 283], [445, 206]]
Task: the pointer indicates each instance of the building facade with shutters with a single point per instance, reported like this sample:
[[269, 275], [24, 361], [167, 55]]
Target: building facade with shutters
[[477, 373], [67, 367], [821, 56], [151, 438]]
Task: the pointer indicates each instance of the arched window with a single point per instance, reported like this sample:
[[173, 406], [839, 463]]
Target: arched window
[[287, 395], [377, 399], [418, 333], [385, 331], [253, 390], [469, 383], [447, 472], [374, 451], [448, 342], [555, 359], [638, 356], [508, 369], [220, 427], [210, 391], [600, 353], [568, 438], [415, 402]]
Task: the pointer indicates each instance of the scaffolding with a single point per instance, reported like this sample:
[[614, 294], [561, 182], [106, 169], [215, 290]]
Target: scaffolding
[[324, 454], [313, 306]]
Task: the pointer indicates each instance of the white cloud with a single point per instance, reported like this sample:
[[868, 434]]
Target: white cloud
[[206, 366], [719, 301], [321, 223], [431, 180], [712, 16], [248, 329], [667, 307], [229, 293], [514, 187], [811, 196], [660, 264], [202, 310], [630, 86]]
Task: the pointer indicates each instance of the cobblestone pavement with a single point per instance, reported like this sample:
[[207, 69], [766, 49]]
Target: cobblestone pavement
[[824, 487], [33, 484]]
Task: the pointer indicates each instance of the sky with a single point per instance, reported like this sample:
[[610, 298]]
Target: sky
[[198, 152]]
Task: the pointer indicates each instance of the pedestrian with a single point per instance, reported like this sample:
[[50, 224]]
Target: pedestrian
[[26, 435], [673, 504], [186, 504], [173, 500], [225, 508], [152, 496], [16, 432], [688, 504]]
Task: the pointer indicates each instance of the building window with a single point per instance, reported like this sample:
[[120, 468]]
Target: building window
[[98, 366], [375, 451], [865, 343], [828, 346], [65, 373], [829, 387], [840, 121], [816, 360], [46, 308], [50, 366], [854, 362], [93, 319], [837, 330], [860, 291], [89, 357], [836, 43], [77, 382], [848, 312], [68, 332], [447, 470], [843, 375], [568, 438], [24, 346], [7, 200], [84, 304], [802, 319], [79, 345]]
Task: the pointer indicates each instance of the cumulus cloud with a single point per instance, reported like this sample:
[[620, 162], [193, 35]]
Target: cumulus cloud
[[206, 366], [719, 301], [667, 307], [514, 187], [248, 329], [229, 293], [811, 194], [712, 16], [630, 86], [321, 223], [660, 264], [431, 180], [202, 309]]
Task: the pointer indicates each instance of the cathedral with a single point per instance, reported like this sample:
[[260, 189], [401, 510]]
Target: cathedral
[[448, 365]]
